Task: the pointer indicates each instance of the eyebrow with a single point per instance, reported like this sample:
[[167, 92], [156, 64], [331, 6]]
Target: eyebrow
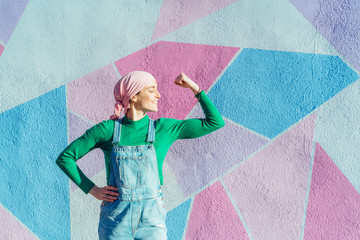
[[151, 87]]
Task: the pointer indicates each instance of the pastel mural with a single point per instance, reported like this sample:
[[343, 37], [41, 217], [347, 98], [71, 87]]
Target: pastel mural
[[283, 74]]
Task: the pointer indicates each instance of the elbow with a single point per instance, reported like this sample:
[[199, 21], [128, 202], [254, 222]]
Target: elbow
[[222, 123], [58, 162]]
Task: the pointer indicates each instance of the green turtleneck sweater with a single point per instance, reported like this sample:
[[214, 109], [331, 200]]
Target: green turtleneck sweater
[[134, 133]]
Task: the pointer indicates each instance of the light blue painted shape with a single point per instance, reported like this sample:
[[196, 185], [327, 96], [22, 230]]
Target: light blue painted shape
[[32, 186], [338, 131], [176, 220], [268, 91], [59, 41]]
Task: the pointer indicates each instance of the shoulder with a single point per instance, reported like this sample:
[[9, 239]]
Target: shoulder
[[167, 123], [103, 130], [105, 125]]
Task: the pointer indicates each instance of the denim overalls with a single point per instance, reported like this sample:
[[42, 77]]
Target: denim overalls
[[139, 211]]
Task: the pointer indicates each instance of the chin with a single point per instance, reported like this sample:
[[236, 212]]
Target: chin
[[152, 110]]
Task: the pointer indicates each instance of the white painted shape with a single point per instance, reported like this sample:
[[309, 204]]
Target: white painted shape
[[172, 191], [338, 131], [56, 42], [85, 211], [259, 24]]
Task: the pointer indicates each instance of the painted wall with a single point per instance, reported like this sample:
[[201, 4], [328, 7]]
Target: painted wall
[[284, 75]]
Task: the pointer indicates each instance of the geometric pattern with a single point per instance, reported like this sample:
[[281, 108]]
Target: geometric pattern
[[90, 96], [91, 163], [270, 188], [176, 220], [171, 14], [10, 13], [1, 49], [54, 43], [341, 29], [85, 210], [214, 217], [337, 131], [251, 179], [275, 89], [250, 24], [35, 189], [334, 204], [173, 193], [10, 227], [225, 148]]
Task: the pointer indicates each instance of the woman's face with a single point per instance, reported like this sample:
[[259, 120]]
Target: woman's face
[[147, 99]]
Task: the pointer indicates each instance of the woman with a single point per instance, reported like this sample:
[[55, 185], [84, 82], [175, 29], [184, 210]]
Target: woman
[[134, 148]]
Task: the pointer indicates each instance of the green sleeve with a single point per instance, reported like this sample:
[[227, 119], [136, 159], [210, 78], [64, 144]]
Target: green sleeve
[[92, 138], [194, 128]]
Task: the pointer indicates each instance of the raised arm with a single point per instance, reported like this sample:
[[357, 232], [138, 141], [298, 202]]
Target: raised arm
[[193, 128]]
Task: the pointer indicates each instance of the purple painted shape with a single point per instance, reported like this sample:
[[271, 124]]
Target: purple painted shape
[[270, 188], [166, 60], [91, 163], [334, 204], [338, 21], [1, 49], [10, 13], [91, 96], [208, 157], [171, 16], [214, 217], [11, 228]]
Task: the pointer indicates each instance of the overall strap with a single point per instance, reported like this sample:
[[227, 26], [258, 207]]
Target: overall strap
[[117, 131], [151, 131]]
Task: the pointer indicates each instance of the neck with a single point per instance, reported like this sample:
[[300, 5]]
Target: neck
[[134, 114]]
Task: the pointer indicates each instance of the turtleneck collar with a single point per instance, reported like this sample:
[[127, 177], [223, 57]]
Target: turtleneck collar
[[136, 124]]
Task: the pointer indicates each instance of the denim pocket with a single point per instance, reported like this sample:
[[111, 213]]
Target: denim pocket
[[132, 171]]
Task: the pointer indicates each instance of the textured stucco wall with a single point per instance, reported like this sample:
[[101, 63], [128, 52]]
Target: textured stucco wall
[[284, 75]]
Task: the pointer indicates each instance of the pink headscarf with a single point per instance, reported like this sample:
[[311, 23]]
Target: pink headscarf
[[127, 87]]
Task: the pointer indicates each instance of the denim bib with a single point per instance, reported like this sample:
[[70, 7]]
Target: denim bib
[[134, 169]]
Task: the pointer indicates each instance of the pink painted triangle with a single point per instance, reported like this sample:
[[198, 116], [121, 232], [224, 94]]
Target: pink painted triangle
[[1, 49], [11, 228], [214, 217], [166, 60], [175, 14], [91, 96], [334, 204], [91, 163], [270, 189]]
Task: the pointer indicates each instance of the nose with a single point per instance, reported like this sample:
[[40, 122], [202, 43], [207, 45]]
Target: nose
[[158, 94]]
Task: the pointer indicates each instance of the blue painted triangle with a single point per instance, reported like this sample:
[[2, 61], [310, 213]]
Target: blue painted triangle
[[32, 187], [176, 220]]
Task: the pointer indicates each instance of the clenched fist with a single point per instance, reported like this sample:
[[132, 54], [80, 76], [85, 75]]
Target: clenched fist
[[183, 81]]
